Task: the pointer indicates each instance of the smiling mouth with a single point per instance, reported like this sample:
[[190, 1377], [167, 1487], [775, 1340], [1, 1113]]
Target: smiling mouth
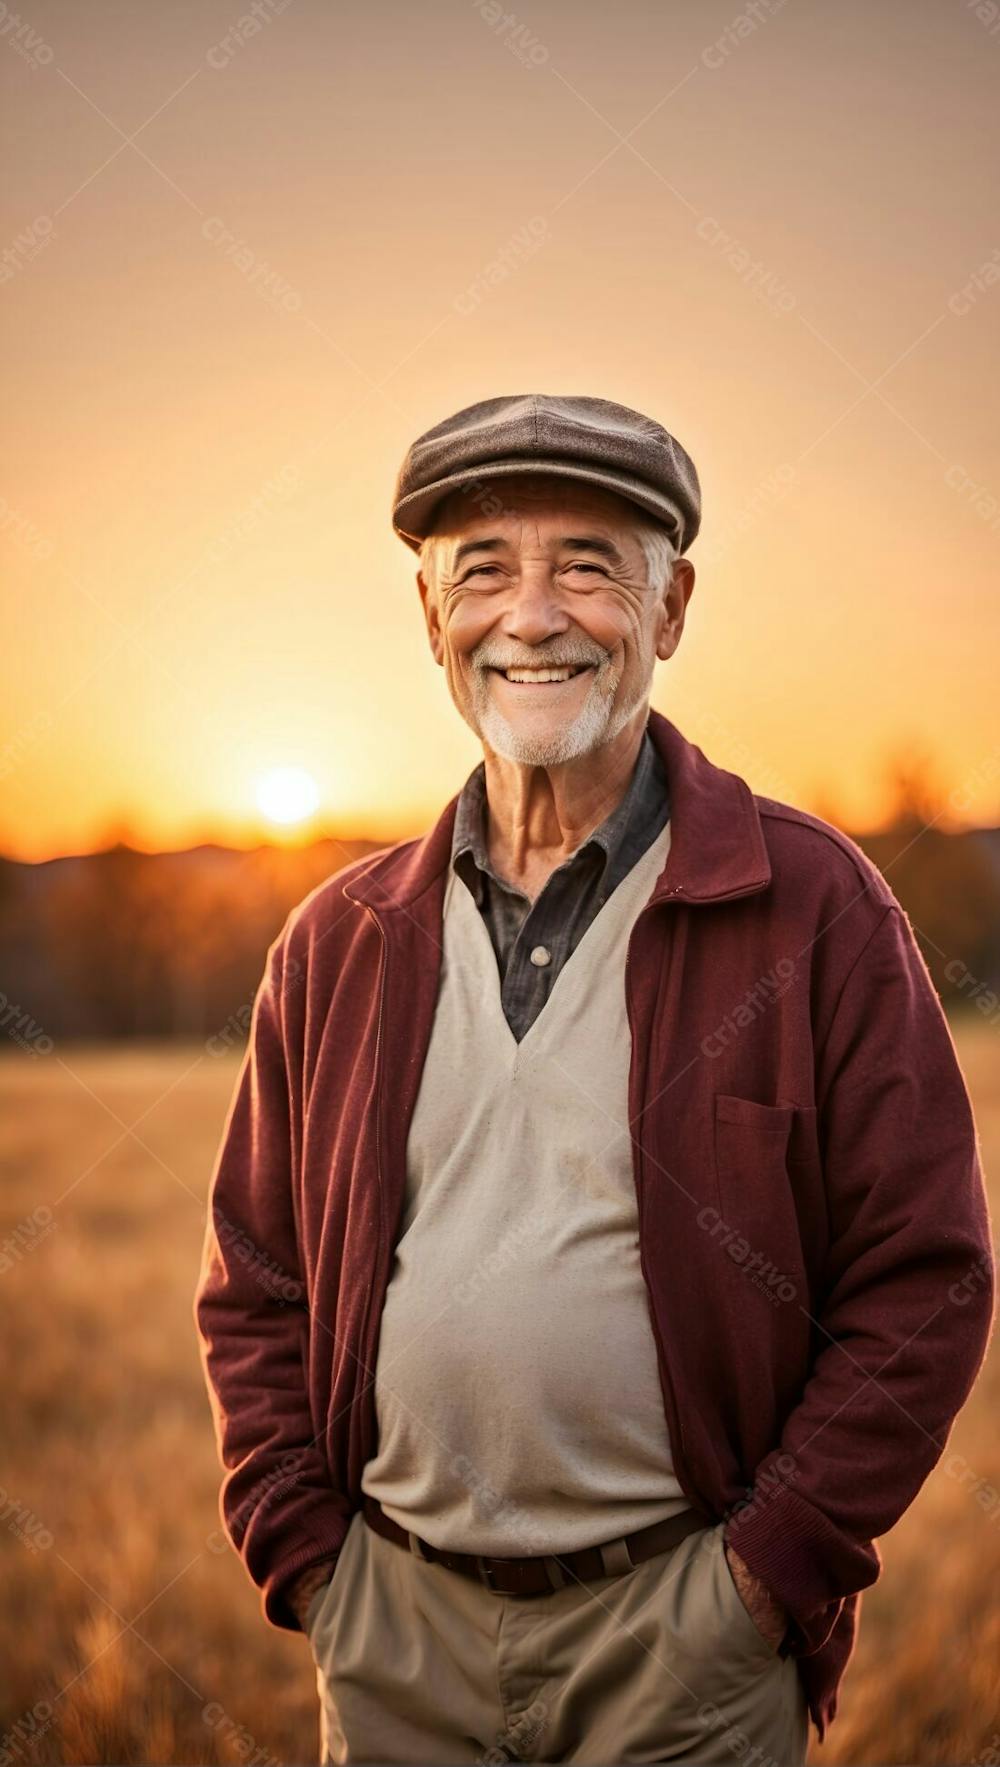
[[525, 677]]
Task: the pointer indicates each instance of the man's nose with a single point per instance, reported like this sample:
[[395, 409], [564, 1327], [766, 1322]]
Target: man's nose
[[534, 611]]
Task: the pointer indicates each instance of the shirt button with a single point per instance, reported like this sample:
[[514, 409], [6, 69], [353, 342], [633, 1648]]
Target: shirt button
[[540, 956]]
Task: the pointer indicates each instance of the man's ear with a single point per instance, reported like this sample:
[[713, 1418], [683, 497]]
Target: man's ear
[[674, 607], [429, 603]]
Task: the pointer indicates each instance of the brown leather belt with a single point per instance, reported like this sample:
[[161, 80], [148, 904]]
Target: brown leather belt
[[537, 1576]]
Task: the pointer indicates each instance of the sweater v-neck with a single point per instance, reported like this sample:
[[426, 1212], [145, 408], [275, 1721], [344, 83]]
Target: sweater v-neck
[[627, 899]]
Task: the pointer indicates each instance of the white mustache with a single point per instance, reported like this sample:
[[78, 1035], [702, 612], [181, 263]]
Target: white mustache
[[539, 662]]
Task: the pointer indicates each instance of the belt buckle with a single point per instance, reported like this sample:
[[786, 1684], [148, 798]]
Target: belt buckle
[[486, 1575]]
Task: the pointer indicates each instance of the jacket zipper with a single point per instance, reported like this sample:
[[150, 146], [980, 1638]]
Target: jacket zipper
[[681, 1472], [367, 1362]]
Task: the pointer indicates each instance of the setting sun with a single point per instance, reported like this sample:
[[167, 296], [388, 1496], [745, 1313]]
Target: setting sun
[[287, 795]]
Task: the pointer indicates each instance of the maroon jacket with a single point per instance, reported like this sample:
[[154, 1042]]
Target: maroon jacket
[[813, 1223]]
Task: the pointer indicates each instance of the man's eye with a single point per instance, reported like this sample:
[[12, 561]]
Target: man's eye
[[478, 570]]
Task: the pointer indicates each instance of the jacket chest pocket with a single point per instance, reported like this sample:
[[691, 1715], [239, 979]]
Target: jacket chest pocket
[[757, 1149]]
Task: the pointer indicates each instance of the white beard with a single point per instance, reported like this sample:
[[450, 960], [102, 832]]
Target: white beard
[[594, 725]]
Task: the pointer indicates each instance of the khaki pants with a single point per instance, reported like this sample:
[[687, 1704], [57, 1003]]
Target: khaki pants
[[415, 1663]]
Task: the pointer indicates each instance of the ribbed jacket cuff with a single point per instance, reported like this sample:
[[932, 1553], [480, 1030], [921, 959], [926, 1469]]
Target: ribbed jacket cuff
[[324, 1542], [804, 1560]]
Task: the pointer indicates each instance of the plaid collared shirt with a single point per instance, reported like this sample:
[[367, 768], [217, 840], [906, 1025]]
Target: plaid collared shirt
[[575, 892]]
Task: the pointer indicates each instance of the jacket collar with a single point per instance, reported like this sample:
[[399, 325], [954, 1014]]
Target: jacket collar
[[717, 846]]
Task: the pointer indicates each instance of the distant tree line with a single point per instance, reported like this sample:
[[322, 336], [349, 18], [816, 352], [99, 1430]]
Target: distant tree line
[[124, 944]]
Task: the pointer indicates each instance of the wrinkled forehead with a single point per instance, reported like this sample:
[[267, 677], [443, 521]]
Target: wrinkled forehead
[[515, 499]]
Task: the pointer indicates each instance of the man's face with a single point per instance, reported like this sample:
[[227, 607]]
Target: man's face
[[536, 573]]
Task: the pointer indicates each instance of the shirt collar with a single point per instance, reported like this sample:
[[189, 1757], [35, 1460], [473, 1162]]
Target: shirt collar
[[718, 850], [614, 841]]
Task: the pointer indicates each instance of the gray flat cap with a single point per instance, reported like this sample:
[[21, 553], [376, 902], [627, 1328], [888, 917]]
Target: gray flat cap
[[574, 435]]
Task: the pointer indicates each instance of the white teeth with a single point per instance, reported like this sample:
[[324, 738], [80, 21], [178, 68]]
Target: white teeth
[[539, 674]]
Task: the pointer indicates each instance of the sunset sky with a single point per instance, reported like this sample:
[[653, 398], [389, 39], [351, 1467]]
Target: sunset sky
[[773, 227]]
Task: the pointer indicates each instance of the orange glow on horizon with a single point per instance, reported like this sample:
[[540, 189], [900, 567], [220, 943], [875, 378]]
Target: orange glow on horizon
[[222, 360]]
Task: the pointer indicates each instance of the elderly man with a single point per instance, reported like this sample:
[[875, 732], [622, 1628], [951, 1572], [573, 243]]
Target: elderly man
[[598, 1250]]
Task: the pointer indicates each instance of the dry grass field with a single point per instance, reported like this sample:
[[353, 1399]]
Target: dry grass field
[[129, 1635]]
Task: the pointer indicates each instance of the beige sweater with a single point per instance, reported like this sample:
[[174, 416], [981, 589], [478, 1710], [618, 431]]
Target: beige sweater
[[517, 1389]]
